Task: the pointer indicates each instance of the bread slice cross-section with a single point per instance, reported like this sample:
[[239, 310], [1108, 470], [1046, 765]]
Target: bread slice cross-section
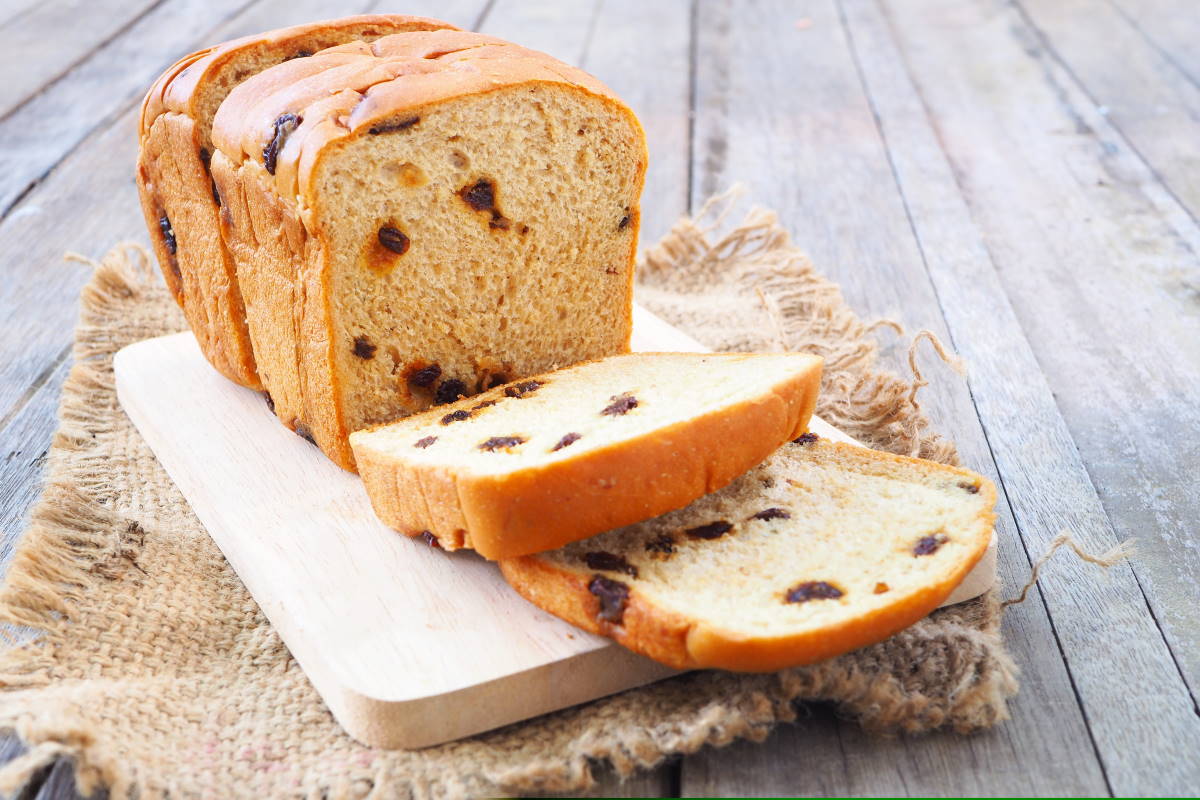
[[541, 462], [432, 200], [822, 549], [182, 205]]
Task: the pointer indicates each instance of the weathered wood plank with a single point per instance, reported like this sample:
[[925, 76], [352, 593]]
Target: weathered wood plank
[[1145, 95], [807, 142], [42, 44], [12, 11], [562, 29], [23, 444], [643, 51], [1170, 25], [1133, 424], [93, 93]]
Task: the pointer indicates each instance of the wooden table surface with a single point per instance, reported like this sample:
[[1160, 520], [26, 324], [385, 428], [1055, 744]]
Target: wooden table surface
[[1022, 178]]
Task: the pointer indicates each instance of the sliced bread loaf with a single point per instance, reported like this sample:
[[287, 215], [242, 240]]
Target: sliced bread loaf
[[822, 549], [541, 462], [179, 199], [422, 218]]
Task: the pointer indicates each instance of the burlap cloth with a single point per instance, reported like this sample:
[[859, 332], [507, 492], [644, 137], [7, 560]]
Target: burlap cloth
[[157, 673]]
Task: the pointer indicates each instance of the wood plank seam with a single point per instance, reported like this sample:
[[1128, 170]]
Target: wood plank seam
[[1166, 54], [483, 15], [955, 175], [1049, 47], [1054, 54], [1000, 479], [52, 80], [37, 384], [102, 124]]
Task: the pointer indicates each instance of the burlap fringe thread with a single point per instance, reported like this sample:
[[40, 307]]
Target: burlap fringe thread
[[76, 539]]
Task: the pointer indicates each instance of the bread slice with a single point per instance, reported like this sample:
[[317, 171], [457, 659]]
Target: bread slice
[[822, 549], [437, 200], [179, 200], [542, 462]]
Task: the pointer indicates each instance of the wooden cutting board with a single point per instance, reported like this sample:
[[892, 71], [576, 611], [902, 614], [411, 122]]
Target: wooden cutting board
[[409, 646]]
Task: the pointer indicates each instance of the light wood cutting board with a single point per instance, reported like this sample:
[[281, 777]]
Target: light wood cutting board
[[409, 646]]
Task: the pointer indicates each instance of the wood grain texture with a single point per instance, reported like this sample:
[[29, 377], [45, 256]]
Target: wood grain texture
[[657, 38], [562, 29], [1109, 636], [29, 60], [810, 139], [1145, 95], [95, 92], [25, 438]]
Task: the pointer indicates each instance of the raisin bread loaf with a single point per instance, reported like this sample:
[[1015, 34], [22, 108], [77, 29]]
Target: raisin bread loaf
[[421, 218], [179, 200], [822, 549], [549, 460]]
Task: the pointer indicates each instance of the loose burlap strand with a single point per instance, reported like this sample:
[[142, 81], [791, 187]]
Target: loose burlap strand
[[156, 672]]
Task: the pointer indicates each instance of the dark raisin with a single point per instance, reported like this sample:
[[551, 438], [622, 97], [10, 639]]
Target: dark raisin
[[216, 194], [205, 158], [713, 530], [661, 544], [426, 375], [524, 230], [270, 402], [480, 196], [928, 545], [401, 124], [972, 488], [393, 240], [168, 234], [304, 432], [363, 347], [611, 271], [565, 441], [284, 126], [431, 540], [501, 442], [609, 562], [805, 438], [449, 391], [772, 513], [499, 221], [423, 443], [813, 590], [492, 381], [624, 223], [622, 404], [299, 54], [613, 596], [484, 404], [456, 416], [523, 388]]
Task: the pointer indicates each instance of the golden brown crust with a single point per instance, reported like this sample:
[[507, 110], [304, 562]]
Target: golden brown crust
[[174, 182], [338, 94], [545, 507], [691, 643]]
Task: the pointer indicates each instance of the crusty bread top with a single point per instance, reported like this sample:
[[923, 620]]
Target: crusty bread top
[[176, 88], [370, 88]]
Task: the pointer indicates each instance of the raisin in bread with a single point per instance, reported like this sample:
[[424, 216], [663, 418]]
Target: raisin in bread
[[180, 202], [822, 549], [422, 217], [549, 460]]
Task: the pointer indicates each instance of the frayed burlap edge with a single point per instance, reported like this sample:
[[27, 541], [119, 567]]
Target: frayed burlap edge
[[76, 539]]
